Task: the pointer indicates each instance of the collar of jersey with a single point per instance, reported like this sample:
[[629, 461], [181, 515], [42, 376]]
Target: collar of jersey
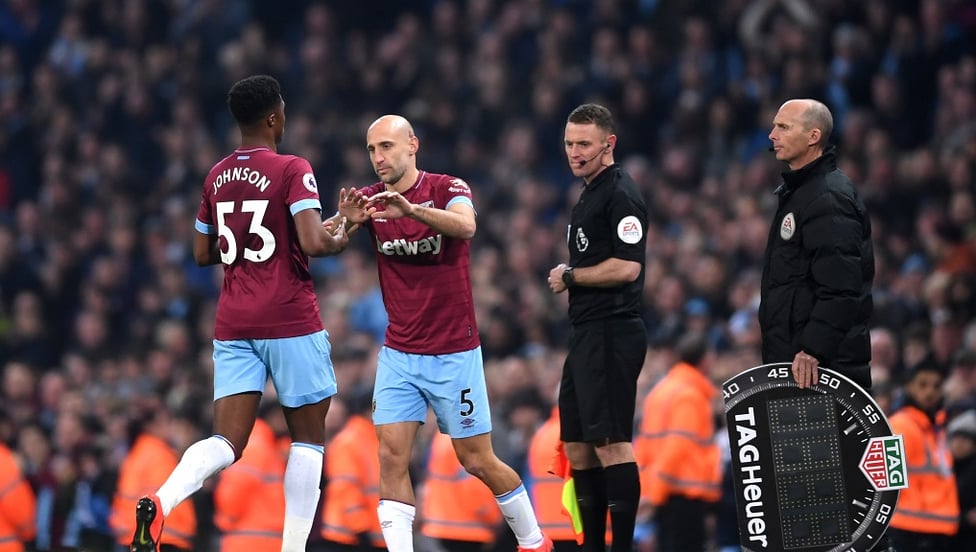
[[420, 178], [604, 175]]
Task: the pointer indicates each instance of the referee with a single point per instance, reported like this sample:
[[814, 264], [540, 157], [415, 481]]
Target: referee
[[608, 340]]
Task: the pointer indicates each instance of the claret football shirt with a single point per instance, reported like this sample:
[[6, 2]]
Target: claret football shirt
[[249, 200], [424, 275]]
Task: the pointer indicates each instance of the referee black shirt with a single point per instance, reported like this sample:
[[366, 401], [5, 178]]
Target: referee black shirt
[[609, 220]]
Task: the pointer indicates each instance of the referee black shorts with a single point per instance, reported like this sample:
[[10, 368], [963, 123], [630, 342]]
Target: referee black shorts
[[598, 391]]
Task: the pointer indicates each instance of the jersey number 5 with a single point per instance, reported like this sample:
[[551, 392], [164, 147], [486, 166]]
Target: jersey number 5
[[468, 404], [257, 208]]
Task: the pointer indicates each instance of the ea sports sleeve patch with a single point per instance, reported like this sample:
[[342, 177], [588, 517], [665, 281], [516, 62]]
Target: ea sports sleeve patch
[[629, 230]]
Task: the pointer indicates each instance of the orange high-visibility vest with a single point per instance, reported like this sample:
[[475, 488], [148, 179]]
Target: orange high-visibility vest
[[249, 499], [456, 505], [17, 505], [930, 504], [352, 494], [676, 450], [546, 487], [144, 470]]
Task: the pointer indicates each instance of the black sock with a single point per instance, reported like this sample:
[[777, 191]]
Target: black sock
[[591, 495], [623, 494]]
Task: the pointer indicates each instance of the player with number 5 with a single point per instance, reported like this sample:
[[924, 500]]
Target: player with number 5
[[421, 224]]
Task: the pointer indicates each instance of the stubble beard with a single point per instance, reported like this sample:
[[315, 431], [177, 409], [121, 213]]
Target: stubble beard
[[392, 177]]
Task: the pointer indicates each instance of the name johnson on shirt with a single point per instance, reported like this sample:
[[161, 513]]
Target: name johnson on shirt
[[430, 244], [241, 174]]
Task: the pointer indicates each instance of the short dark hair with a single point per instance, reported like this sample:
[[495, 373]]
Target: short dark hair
[[253, 97], [927, 364], [692, 348], [592, 114]]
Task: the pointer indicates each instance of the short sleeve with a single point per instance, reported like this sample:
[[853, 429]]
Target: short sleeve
[[205, 223], [453, 190], [301, 188], [628, 217]]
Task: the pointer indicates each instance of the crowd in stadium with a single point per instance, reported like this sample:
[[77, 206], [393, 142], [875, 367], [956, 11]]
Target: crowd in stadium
[[113, 111]]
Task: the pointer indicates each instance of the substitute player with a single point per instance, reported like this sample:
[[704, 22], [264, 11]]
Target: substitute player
[[260, 217], [432, 354]]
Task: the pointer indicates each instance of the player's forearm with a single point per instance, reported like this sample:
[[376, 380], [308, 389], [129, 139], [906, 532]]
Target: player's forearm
[[318, 238], [320, 244], [350, 226], [208, 255], [330, 245], [453, 225]]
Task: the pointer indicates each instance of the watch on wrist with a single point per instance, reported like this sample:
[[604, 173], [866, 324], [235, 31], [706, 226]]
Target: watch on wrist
[[568, 277]]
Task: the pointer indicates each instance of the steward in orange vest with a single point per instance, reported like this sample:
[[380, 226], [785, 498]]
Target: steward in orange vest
[[676, 451], [927, 514], [147, 465], [249, 499], [17, 505], [352, 475], [457, 509], [546, 488]]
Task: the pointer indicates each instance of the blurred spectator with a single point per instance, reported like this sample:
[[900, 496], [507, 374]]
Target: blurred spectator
[[17, 504], [524, 412], [676, 450], [885, 356], [953, 251], [961, 433], [352, 480], [960, 385], [456, 509], [249, 499], [150, 459], [546, 487], [928, 510], [112, 112], [88, 526]]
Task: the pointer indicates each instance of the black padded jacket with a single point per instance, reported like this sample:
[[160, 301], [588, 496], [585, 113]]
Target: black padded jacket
[[817, 272]]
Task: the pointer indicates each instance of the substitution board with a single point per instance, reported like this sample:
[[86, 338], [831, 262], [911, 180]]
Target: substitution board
[[815, 469]]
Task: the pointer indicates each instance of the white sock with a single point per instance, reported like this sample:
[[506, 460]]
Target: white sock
[[303, 477], [396, 521], [200, 461], [517, 510]]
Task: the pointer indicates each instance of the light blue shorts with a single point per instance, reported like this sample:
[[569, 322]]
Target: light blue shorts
[[453, 385], [299, 367]]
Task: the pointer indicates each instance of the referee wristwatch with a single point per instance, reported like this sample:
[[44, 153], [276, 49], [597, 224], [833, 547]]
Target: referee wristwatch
[[568, 278]]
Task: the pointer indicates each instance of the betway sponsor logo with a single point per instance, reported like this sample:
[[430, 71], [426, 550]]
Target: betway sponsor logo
[[751, 477], [431, 244]]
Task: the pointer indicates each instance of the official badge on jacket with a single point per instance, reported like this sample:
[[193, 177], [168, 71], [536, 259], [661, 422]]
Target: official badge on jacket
[[787, 227]]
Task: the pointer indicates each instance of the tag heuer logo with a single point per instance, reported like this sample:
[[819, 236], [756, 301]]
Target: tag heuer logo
[[883, 463]]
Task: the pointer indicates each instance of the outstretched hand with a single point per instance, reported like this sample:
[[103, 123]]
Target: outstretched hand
[[389, 205], [337, 231], [352, 205]]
